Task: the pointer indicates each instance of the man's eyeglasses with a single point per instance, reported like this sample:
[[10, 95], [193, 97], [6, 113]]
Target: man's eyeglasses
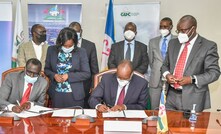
[[183, 30], [32, 74], [40, 32]]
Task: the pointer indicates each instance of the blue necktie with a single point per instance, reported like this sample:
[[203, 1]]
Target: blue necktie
[[164, 48]]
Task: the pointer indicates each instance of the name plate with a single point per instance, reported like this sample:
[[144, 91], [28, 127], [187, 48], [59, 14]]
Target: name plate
[[123, 126]]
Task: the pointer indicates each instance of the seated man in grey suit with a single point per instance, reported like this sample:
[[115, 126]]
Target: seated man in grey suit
[[21, 90], [129, 49], [120, 91]]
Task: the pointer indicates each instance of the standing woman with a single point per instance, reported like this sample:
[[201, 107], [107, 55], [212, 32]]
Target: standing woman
[[67, 67]]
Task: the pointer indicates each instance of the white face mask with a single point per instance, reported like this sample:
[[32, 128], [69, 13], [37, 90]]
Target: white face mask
[[129, 35], [79, 35], [183, 37], [29, 79], [164, 32], [122, 83], [67, 50]]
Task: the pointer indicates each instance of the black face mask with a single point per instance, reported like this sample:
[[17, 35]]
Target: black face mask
[[41, 38]]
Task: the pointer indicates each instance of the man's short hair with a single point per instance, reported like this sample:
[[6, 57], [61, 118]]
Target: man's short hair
[[34, 61], [167, 19], [34, 27], [75, 24]]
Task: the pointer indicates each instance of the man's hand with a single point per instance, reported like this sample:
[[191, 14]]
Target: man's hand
[[103, 108], [184, 81], [64, 77], [171, 79], [58, 78], [26, 106], [17, 109], [118, 108]]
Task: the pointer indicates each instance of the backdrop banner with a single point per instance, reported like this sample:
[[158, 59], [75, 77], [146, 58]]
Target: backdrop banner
[[146, 16], [54, 17], [6, 36]]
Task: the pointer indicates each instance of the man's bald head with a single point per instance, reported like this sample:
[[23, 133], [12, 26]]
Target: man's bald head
[[124, 70]]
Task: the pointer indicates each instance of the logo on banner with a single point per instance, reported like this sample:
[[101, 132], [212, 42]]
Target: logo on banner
[[54, 13], [127, 13]]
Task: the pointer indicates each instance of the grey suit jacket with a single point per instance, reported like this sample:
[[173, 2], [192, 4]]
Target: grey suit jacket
[[13, 86], [140, 59], [203, 63], [26, 51], [136, 96], [155, 61], [92, 58]]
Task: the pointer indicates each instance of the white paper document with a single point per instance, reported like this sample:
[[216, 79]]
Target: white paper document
[[90, 112], [135, 114], [122, 126], [114, 114], [33, 111], [63, 113]]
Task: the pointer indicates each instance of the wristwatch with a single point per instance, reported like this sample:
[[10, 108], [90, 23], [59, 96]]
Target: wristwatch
[[193, 79]]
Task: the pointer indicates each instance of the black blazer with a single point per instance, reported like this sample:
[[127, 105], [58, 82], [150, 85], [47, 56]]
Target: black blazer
[[79, 72], [140, 59]]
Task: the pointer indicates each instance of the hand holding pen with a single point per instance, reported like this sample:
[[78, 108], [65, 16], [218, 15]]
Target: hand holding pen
[[104, 107]]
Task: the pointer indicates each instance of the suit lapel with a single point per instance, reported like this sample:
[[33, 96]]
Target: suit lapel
[[193, 52], [158, 48], [82, 43], [176, 50], [34, 90], [136, 48], [130, 92], [121, 50], [44, 49], [114, 89], [21, 85], [31, 49]]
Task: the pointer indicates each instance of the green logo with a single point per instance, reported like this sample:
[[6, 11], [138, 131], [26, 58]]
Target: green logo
[[129, 14]]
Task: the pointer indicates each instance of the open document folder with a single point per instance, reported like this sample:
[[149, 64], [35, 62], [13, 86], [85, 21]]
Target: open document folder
[[126, 114], [74, 112]]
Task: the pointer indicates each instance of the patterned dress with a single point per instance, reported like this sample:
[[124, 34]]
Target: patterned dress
[[63, 66]]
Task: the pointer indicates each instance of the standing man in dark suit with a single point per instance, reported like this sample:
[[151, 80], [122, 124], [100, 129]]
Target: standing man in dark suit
[[92, 58], [129, 49], [120, 91], [157, 52], [191, 64]]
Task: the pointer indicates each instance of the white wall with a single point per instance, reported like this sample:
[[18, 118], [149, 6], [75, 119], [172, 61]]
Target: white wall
[[207, 12]]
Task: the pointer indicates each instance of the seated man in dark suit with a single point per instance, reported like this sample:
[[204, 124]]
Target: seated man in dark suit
[[21, 90], [129, 49], [120, 91]]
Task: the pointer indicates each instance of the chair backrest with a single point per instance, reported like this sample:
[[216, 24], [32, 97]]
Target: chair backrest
[[18, 69], [97, 77]]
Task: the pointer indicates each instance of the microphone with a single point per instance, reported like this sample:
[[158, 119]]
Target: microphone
[[151, 118], [6, 113], [81, 116]]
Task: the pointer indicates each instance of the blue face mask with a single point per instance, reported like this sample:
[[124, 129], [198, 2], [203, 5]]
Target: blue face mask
[[29, 79], [67, 50]]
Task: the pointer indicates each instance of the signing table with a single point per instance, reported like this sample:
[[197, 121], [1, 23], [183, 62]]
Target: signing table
[[45, 124]]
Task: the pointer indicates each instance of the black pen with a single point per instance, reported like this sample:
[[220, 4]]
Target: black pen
[[124, 113]]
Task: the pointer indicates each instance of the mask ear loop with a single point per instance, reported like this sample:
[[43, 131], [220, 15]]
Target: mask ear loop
[[189, 32]]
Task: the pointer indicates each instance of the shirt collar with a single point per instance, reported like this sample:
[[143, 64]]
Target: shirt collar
[[36, 44], [168, 37], [193, 40], [132, 42], [79, 42]]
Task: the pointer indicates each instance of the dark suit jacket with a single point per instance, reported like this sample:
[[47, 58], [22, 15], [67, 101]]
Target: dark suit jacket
[[79, 72], [136, 97], [92, 58], [13, 86], [140, 59], [203, 63]]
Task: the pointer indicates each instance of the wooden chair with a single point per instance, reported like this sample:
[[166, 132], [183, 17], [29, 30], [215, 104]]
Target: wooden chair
[[97, 77], [4, 74]]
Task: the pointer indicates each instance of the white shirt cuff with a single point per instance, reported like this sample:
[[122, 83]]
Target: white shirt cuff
[[9, 107], [165, 74], [96, 107]]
